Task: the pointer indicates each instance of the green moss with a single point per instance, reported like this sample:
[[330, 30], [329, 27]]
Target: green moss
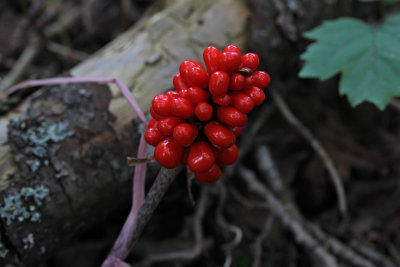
[[23, 205]]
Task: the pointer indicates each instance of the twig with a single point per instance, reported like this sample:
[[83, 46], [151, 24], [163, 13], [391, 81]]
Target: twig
[[190, 253], [257, 245], [316, 145], [281, 212], [132, 161], [395, 103], [130, 232], [238, 233], [67, 52], [26, 58], [30, 52]]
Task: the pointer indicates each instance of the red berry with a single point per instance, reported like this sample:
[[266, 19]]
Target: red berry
[[261, 79], [232, 48], [204, 111], [256, 94], [212, 175], [162, 105], [168, 153], [197, 95], [182, 107], [166, 125], [153, 136], [210, 56], [229, 61], [251, 61], [231, 116], [154, 114], [219, 83], [241, 101], [153, 123], [237, 82], [185, 134], [193, 73], [179, 83], [227, 156], [172, 94], [201, 157], [219, 135], [223, 100], [184, 93], [237, 131]]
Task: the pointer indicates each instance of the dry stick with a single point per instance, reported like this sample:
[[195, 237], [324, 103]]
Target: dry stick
[[280, 212], [316, 145], [224, 225], [337, 248], [257, 245], [395, 103], [130, 233], [196, 250], [26, 58], [30, 52]]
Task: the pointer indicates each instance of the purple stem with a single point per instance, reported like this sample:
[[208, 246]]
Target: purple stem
[[121, 246]]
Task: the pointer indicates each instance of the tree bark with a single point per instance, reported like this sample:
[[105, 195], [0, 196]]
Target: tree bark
[[63, 151]]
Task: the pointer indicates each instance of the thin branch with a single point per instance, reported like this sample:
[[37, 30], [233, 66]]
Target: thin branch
[[238, 233], [190, 253], [316, 145], [136, 222], [281, 212], [23, 62], [257, 245]]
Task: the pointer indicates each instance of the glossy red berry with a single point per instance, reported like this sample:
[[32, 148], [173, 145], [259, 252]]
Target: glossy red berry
[[219, 135], [179, 83], [172, 94], [242, 101], [251, 61], [261, 79], [210, 56], [162, 105], [203, 111], [229, 61], [227, 156], [223, 100], [153, 136], [184, 93], [201, 157], [237, 131], [182, 107], [256, 94], [211, 175], [166, 125], [152, 123], [232, 48], [219, 83], [193, 73], [154, 114], [168, 153], [185, 133], [197, 95], [237, 82], [231, 116]]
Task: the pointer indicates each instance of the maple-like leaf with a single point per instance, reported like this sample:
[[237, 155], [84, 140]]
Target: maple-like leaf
[[368, 58]]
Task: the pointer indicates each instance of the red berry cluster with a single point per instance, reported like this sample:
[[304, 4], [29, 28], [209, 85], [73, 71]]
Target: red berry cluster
[[198, 123]]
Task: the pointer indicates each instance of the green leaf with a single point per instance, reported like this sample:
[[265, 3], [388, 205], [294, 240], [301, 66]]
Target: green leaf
[[369, 59]]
